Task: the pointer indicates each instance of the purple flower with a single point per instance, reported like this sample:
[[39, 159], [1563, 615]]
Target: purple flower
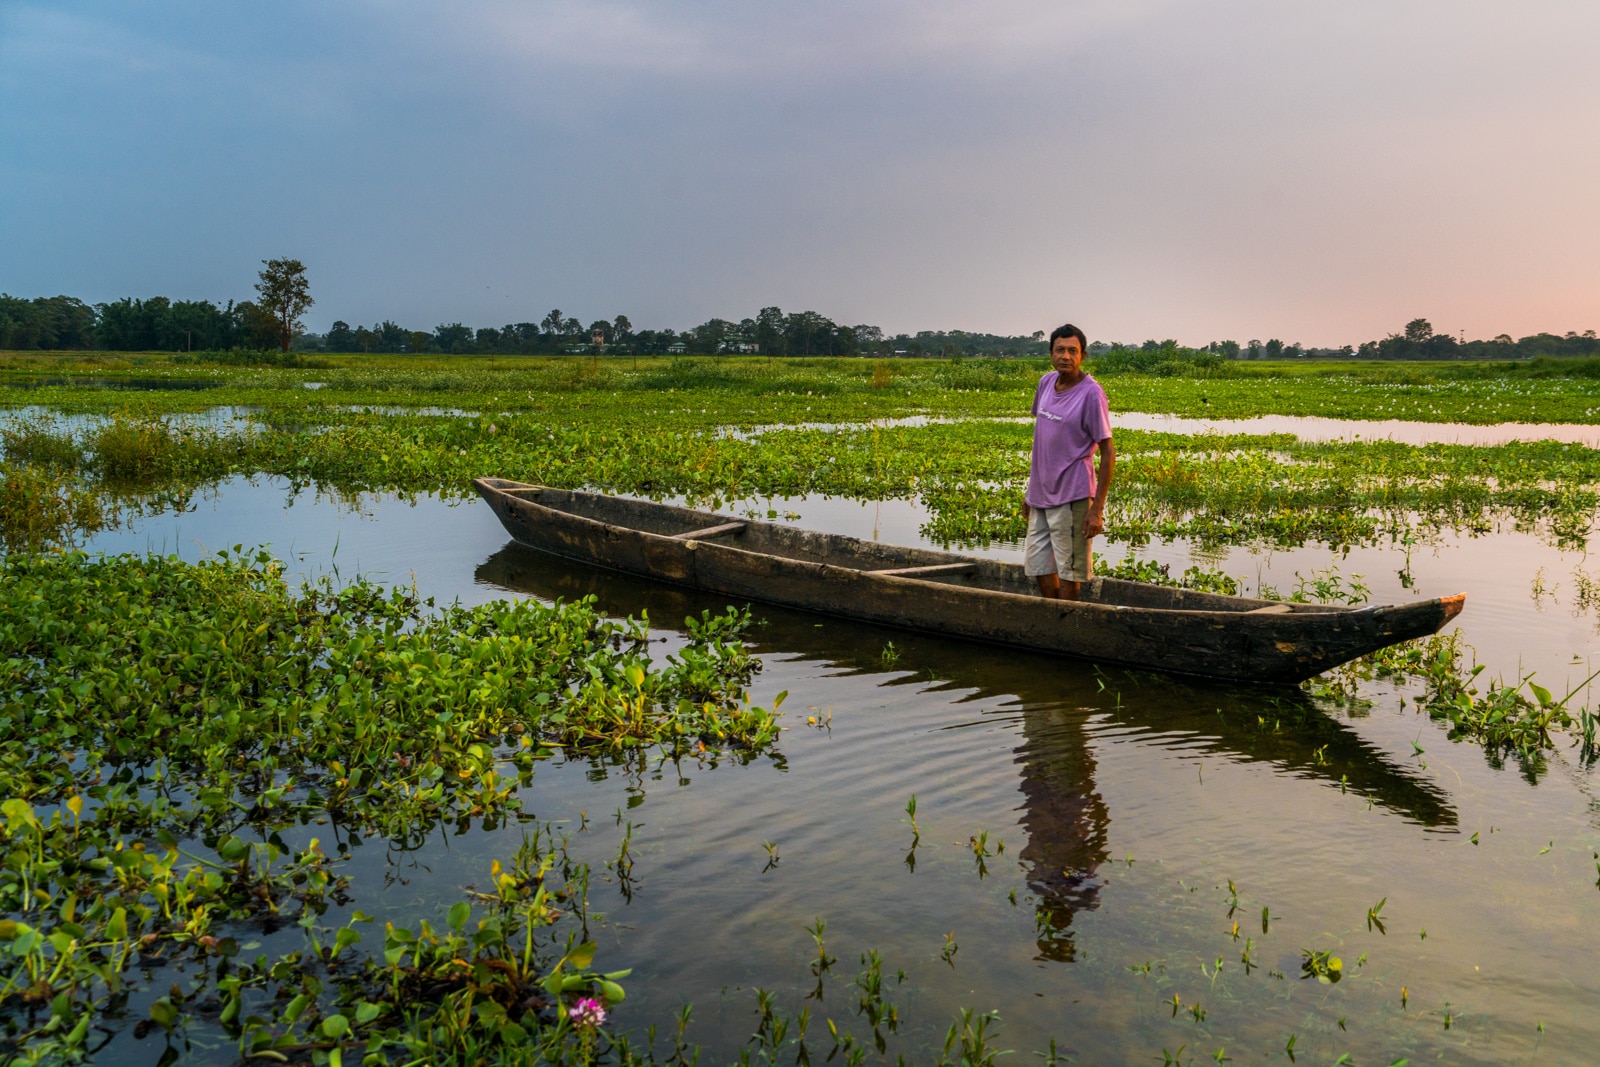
[[587, 1013]]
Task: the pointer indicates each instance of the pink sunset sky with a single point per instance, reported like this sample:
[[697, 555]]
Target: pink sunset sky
[[1319, 172]]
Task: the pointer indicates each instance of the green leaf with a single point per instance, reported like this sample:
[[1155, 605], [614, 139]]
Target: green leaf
[[366, 1011], [296, 1008], [611, 991], [164, 1012], [232, 849], [582, 956], [335, 1027], [117, 927], [344, 939], [19, 813], [460, 912]]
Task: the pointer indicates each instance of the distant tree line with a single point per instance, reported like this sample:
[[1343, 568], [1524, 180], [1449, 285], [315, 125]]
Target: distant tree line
[[1419, 341], [158, 324], [769, 332], [131, 325]]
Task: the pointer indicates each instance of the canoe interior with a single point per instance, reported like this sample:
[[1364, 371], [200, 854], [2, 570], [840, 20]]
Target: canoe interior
[[837, 550]]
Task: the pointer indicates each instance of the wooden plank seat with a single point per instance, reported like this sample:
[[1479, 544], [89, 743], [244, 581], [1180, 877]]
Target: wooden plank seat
[[917, 572], [710, 531]]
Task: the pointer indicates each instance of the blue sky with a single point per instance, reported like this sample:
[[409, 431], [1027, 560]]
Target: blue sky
[[1319, 172]]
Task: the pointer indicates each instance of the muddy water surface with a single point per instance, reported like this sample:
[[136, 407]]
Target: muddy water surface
[[1125, 804]]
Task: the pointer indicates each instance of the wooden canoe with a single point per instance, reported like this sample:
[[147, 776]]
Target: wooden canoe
[[1128, 624]]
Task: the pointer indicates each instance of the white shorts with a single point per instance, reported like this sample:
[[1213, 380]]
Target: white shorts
[[1056, 543]]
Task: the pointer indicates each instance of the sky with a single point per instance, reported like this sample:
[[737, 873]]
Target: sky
[[1317, 171]]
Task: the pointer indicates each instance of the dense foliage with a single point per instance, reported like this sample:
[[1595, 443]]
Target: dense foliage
[[171, 730]]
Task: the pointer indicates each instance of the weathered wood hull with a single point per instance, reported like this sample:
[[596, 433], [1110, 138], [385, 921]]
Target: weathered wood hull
[[1124, 623]]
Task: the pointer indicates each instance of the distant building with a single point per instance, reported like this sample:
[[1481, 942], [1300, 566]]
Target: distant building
[[677, 348]]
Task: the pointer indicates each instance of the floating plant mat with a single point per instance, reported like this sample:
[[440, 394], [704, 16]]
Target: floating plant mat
[[1234, 490], [758, 391], [1125, 806]]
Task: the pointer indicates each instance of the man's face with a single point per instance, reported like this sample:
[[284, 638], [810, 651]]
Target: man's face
[[1066, 356]]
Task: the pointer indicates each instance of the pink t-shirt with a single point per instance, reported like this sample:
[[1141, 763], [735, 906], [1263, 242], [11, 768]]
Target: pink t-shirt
[[1066, 427]]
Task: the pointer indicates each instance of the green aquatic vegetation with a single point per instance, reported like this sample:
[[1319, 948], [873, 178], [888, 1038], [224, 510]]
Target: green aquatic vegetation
[[168, 726], [1328, 586], [1505, 718], [37, 442], [431, 425], [507, 977], [1556, 390], [1131, 568], [141, 452], [41, 506], [1270, 490], [782, 1038]]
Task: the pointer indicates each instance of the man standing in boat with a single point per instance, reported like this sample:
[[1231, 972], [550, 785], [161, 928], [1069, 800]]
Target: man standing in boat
[[1066, 499]]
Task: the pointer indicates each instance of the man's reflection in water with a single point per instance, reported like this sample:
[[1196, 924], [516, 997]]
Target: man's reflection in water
[[1066, 823]]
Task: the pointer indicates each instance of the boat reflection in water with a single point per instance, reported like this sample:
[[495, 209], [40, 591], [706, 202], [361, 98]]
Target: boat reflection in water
[[1057, 705]]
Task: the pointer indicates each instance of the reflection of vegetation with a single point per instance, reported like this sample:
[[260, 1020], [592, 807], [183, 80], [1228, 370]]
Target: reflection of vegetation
[[41, 506], [167, 724]]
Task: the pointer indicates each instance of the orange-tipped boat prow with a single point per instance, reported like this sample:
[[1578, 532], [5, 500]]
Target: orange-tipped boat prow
[[1452, 605]]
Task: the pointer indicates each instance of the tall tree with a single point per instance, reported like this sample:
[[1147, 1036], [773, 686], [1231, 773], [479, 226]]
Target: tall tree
[[1419, 330], [340, 337], [769, 330], [285, 296], [453, 338]]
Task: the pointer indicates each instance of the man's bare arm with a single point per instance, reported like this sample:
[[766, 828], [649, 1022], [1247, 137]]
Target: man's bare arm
[[1094, 523]]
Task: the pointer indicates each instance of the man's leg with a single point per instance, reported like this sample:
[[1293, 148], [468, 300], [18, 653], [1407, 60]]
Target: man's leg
[[1039, 555], [1071, 549]]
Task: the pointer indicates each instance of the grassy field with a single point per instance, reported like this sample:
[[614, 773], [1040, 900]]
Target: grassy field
[[754, 389]]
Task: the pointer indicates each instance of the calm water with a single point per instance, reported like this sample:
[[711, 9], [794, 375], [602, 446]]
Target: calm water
[[1125, 804], [1305, 427], [1317, 428]]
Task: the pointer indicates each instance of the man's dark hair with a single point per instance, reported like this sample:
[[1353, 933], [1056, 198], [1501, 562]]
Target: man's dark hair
[[1069, 330]]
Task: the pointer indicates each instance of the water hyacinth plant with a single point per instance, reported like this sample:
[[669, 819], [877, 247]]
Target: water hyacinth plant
[[169, 728]]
